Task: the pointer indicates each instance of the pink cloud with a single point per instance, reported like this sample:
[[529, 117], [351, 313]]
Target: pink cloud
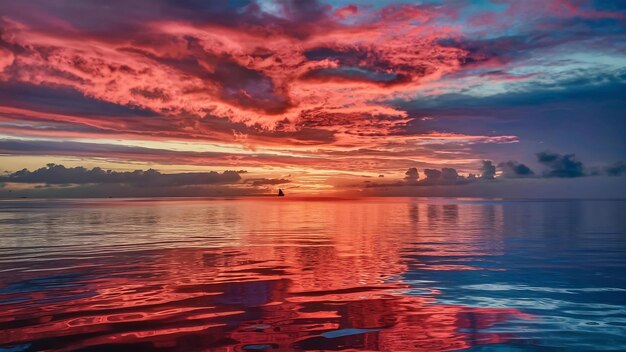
[[177, 68], [346, 11], [301, 80]]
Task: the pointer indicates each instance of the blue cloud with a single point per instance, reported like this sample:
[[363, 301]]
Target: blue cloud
[[561, 165]]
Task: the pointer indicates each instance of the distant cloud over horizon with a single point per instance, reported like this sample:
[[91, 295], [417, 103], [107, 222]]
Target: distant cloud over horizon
[[267, 181], [488, 170], [60, 181], [433, 177], [616, 169], [561, 165], [513, 169], [54, 174], [411, 175]]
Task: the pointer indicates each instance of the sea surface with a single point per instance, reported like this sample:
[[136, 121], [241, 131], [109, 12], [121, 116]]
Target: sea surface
[[283, 274]]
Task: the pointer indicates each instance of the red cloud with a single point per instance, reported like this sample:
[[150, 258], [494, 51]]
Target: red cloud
[[252, 77], [346, 11], [299, 81]]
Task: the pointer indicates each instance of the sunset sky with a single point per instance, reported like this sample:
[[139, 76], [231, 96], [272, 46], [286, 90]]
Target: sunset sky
[[455, 98]]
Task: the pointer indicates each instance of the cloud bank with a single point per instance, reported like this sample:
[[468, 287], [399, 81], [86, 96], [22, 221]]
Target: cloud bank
[[559, 166], [58, 175]]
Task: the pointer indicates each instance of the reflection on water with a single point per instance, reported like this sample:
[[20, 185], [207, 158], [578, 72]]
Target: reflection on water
[[395, 274]]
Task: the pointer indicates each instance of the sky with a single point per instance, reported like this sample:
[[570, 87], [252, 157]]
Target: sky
[[490, 98]]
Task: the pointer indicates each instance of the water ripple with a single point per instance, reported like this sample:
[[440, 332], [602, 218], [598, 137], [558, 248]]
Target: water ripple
[[257, 275]]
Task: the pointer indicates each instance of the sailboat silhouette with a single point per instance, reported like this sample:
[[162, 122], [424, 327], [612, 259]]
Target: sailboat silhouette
[[280, 193]]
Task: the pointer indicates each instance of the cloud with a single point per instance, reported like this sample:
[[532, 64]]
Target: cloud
[[310, 84], [59, 175], [266, 181], [616, 169], [562, 166], [125, 153], [488, 170], [513, 169], [249, 63], [449, 174], [445, 176], [604, 187], [559, 165], [411, 175], [434, 177]]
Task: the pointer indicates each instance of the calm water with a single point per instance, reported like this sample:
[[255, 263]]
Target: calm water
[[396, 274]]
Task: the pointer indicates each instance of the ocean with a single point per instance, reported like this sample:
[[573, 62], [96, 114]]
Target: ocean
[[283, 274]]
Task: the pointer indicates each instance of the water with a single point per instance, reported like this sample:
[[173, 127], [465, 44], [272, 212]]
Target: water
[[390, 274]]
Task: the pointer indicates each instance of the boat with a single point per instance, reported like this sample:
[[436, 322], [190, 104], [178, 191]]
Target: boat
[[280, 193]]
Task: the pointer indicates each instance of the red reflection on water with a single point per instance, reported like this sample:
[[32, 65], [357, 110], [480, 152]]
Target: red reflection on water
[[299, 275], [225, 300]]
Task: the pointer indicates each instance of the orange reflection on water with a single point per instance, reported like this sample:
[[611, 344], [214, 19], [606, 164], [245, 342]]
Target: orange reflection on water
[[225, 302], [333, 280]]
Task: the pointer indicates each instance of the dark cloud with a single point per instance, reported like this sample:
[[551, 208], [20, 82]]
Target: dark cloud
[[449, 174], [601, 187], [432, 174], [357, 74], [580, 87], [616, 169], [411, 175], [63, 100], [267, 181], [363, 64], [248, 88], [569, 24], [239, 85], [445, 176], [434, 177], [152, 155], [561, 165], [513, 169], [122, 190], [58, 175], [291, 17], [555, 114], [488, 170]]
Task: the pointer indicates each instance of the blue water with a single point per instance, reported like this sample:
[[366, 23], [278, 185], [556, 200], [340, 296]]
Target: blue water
[[269, 274]]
